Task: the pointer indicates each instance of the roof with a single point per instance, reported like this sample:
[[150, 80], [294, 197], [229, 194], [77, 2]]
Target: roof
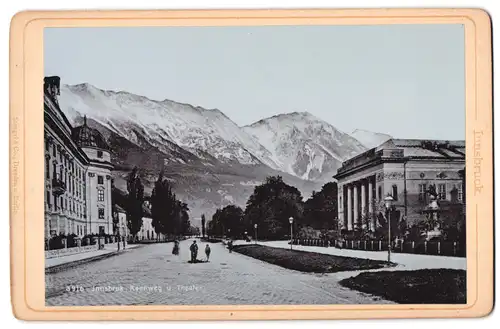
[[397, 150], [85, 136], [426, 148]]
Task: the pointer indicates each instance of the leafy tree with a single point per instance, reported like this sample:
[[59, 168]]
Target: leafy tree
[[451, 221], [270, 206], [382, 229], [227, 221], [321, 209], [134, 203]]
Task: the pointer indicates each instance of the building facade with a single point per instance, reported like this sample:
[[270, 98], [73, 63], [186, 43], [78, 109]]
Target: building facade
[[404, 169], [77, 173]]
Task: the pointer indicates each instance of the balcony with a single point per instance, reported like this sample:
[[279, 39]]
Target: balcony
[[58, 187]]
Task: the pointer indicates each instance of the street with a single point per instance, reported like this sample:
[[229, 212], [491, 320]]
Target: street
[[150, 275]]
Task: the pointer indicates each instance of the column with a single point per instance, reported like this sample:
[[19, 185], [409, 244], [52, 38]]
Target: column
[[355, 212], [363, 198], [370, 203], [349, 207], [340, 206]]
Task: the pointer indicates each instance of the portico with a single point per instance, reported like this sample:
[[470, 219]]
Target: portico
[[403, 169], [356, 201]]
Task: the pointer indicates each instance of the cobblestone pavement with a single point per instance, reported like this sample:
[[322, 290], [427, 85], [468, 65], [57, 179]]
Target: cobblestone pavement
[[152, 275]]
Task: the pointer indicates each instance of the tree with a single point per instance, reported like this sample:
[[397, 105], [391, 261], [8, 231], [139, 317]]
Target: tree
[[227, 221], [135, 201], [185, 223], [270, 206], [320, 210], [451, 221], [114, 210], [158, 209], [382, 229], [203, 225], [170, 216]]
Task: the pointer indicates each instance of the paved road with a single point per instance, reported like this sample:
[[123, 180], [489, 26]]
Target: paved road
[[152, 275]]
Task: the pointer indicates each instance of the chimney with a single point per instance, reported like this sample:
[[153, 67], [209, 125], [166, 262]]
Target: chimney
[[52, 86]]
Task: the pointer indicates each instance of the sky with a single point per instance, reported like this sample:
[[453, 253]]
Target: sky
[[407, 81]]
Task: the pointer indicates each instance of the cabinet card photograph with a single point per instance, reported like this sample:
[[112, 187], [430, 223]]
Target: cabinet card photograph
[[313, 164]]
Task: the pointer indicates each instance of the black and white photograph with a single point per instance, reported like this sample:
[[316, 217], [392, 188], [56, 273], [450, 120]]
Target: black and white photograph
[[254, 165]]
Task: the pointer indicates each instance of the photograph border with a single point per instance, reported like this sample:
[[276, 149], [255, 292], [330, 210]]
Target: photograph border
[[26, 157]]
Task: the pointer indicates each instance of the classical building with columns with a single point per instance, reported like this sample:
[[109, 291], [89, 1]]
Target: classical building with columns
[[404, 169], [77, 173]]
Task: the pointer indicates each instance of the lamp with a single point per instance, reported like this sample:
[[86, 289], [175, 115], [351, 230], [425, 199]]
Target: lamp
[[388, 203]]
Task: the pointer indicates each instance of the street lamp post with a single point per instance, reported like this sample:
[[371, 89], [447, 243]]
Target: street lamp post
[[255, 227], [388, 202], [291, 232]]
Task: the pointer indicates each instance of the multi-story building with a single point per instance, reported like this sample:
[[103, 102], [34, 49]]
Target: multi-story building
[[404, 169], [77, 173]]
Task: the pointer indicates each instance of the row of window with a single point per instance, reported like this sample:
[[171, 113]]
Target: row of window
[[79, 172], [422, 192], [62, 203], [81, 230], [441, 192], [76, 187]]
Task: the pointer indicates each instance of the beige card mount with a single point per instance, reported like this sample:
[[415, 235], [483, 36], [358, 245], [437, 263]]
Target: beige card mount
[[133, 199]]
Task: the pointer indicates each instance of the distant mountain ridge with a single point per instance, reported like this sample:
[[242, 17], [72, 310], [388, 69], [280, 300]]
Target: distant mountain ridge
[[370, 139], [208, 158], [304, 145]]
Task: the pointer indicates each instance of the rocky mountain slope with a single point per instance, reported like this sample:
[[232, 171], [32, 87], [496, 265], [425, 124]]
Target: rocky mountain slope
[[304, 145], [210, 160]]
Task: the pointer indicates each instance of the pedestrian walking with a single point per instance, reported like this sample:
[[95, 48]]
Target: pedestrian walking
[[175, 250], [207, 252], [194, 251], [230, 245]]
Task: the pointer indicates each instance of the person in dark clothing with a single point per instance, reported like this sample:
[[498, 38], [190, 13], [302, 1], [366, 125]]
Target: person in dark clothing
[[175, 251], [207, 252], [194, 251]]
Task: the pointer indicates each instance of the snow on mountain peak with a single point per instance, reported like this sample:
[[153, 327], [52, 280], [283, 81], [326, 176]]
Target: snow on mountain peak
[[304, 145], [370, 139], [297, 143], [193, 128]]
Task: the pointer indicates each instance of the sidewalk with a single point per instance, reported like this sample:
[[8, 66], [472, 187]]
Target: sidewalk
[[405, 261], [58, 262]]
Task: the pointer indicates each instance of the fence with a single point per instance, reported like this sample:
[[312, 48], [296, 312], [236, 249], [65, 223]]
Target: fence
[[441, 248], [69, 251]]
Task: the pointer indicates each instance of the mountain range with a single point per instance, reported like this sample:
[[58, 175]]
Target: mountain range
[[209, 159]]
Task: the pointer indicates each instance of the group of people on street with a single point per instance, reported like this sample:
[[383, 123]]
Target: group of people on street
[[194, 250]]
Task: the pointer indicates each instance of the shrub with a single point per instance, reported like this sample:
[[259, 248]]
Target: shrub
[[56, 242], [71, 240]]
